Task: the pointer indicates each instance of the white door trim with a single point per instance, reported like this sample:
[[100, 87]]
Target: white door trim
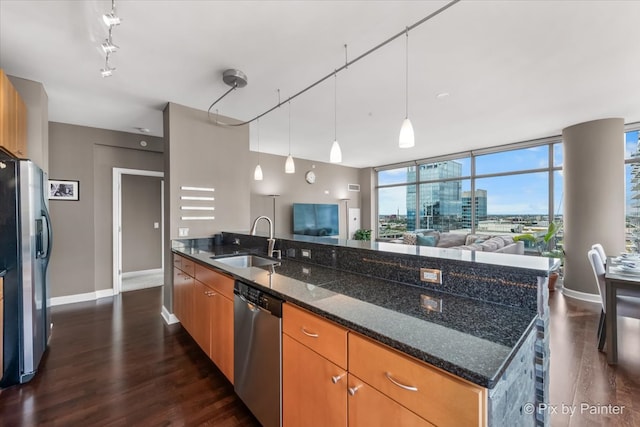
[[117, 220]]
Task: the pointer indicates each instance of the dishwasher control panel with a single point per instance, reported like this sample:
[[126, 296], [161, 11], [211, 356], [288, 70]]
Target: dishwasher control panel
[[259, 298]]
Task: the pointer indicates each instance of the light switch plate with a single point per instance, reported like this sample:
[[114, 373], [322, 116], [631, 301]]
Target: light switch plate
[[156, 225], [183, 231], [431, 275]]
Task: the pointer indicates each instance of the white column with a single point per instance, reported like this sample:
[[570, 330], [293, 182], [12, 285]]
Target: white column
[[594, 195]]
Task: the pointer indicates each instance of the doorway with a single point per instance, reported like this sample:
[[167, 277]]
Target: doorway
[[138, 232]]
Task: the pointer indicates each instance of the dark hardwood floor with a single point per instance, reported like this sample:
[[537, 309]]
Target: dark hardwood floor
[[581, 380], [114, 362]]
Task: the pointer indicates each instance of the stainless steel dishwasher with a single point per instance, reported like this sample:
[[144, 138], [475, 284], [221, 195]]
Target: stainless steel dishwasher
[[258, 352]]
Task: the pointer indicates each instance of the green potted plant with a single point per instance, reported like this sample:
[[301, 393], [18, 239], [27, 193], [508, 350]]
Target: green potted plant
[[362, 234], [547, 246]]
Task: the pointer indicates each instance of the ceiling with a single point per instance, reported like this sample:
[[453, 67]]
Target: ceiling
[[513, 70]]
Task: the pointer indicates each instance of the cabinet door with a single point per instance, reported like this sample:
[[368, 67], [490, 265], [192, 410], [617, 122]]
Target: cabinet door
[[314, 390], [370, 408], [202, 316], [222, 334], [183, 298]]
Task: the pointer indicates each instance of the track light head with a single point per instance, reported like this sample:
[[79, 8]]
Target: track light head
[[111, 19]]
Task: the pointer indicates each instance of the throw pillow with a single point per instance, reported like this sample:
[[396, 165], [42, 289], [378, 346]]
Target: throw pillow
[[426, 240]]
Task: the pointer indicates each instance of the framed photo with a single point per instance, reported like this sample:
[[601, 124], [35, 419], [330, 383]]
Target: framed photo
[[64, 190]]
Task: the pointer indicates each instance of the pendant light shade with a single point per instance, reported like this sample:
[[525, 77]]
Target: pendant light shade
[[336, 153], [289, 166], [257, 173], [407, 139]]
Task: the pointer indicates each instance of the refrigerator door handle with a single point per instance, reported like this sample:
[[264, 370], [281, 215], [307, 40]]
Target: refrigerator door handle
[[47, 253]]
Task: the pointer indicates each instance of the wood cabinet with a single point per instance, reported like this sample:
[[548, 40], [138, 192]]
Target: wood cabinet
[[203, 302], [434, 395], [13, 119], [333, 376], [314, 376], [217, 312], [183, 292]]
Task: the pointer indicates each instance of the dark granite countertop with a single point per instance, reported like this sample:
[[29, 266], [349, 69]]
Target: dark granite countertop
[[472, 339]]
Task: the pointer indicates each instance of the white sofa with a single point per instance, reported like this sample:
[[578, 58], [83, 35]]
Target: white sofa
[[472, 242]]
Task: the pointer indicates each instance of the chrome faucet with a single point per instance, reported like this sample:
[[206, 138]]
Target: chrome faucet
[[271, 241]]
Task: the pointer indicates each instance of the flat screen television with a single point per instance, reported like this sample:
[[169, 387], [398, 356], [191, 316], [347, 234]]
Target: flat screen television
[[314, 219]]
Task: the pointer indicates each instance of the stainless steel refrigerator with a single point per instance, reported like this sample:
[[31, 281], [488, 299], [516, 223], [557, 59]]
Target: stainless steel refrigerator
[[25, 249]]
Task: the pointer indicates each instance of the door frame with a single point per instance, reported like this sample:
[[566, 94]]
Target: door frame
[[117, 220]]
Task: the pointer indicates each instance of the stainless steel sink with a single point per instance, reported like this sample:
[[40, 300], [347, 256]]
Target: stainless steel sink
[[245, 261]]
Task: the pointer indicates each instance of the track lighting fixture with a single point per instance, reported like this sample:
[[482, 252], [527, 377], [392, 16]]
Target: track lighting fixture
[[108, 47]]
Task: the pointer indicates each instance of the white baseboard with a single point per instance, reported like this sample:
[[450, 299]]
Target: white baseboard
[[129, 274], [582, 296], [169, 318], [89, 296]]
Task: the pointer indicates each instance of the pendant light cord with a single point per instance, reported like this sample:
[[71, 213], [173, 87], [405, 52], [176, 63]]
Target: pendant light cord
[[407, 75], [335, 106], [346, 65], [258, 132], [289, 127]]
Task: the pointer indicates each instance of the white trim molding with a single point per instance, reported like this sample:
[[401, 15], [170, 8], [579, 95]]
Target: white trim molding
[[582, 296], [130, 274], [89, 296], [169, 318]]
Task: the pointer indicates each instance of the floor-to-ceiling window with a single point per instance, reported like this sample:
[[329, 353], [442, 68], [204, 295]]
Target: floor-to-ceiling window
[[502, 190], [632, 186]]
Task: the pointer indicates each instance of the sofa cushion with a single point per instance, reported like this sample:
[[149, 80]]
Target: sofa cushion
[[473, 238], [448, 240], [409, 238], [426, 240]]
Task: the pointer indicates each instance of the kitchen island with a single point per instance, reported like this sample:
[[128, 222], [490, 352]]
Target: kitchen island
[[485, 324]]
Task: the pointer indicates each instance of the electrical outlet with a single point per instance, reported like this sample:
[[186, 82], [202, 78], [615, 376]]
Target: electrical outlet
[[430, 303], [431, 275], [305, 253], [183, 231]]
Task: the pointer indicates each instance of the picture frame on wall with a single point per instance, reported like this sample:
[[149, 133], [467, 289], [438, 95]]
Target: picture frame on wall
[[64, 190]]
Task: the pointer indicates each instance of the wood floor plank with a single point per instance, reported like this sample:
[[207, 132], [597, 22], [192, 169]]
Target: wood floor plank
[[114, 362]]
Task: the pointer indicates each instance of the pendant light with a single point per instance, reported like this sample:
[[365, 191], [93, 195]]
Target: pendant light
[[407, 139], [335, 156], [257, 173], [289, 166]]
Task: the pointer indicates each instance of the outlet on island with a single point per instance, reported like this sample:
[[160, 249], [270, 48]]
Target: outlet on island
[[431, 275], [305, 253]]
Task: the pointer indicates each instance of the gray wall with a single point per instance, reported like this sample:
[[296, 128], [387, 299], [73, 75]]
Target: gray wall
[[202, 154], [330, 187], [37, 103], [594, 182], [141, 208], [368, 194], [82, 255]]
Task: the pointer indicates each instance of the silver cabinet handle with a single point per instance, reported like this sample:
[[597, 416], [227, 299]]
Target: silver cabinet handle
[[402, 386], [353, 390], [309, 334], [336, 378]]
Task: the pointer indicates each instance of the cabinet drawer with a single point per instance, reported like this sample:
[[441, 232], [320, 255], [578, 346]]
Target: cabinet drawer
[[217, 281], [434, 395], [183, 264], [369, 408], [322, 336]]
